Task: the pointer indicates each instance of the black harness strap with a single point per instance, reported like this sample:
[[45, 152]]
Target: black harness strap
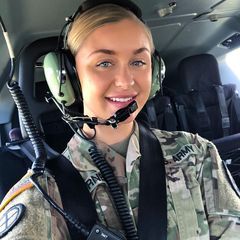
[[152, 213], [223, 110], [152, 115], [204, 128], [170, 121], [75, 196], [182, 118]]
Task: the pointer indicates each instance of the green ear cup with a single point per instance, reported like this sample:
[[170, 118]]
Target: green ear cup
[[158, 75], [53, 76]]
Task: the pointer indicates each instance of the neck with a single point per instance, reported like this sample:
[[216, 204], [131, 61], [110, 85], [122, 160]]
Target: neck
[[111, 135]]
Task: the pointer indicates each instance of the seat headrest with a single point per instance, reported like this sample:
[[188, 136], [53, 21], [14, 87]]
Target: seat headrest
[[198, 72]]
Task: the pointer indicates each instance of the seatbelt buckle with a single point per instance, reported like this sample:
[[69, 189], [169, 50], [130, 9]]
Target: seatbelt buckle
[[225, 122]]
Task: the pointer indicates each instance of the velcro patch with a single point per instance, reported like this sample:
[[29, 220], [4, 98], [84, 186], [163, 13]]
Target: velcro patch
[[11, 218], [93, 180], [184, 152]]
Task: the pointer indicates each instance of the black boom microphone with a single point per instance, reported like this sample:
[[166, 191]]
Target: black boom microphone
[[121, 115]]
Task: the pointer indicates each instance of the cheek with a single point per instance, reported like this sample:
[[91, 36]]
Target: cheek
[[93, 85], [87, 79], [145, 82]]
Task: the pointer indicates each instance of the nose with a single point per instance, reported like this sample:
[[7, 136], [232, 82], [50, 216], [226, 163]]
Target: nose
[[124, 78]]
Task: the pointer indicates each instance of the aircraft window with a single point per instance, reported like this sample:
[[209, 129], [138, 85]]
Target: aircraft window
[[232, 42], [232, 60]]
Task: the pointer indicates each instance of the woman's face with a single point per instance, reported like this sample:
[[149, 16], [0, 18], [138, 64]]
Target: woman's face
[[114, 68]]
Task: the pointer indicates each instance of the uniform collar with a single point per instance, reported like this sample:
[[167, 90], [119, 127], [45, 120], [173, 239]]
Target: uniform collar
[[77, 152], [133, 152]]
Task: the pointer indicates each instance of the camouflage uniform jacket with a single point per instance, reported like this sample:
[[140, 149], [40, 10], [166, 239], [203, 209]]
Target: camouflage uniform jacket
[[200, 202]]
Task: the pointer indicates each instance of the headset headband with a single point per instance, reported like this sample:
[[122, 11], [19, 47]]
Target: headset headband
[[88, 4]]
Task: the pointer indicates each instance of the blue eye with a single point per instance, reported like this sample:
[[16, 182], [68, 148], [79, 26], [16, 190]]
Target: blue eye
[[138, 63], [104, 64]]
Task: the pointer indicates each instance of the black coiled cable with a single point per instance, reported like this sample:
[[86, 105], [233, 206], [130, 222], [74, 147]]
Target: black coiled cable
[[26, 117], [22, 106], [116, 193]]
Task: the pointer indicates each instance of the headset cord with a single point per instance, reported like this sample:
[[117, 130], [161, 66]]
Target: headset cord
[[116, 193], [26, 117]]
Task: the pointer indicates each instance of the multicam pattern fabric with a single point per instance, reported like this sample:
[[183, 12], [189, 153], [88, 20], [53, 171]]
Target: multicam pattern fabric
[[39, 221], [200, 202]]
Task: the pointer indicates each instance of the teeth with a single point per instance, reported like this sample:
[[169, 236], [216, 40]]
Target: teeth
[[121, 99]]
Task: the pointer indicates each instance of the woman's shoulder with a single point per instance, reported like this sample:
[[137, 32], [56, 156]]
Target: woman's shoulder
[[22, 204], [179, 142], [179, 136]]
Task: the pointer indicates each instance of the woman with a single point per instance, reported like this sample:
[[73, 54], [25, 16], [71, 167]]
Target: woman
[[113, 52]]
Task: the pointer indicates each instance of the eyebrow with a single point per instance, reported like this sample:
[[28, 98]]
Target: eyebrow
[[140, 50], [111, 52]]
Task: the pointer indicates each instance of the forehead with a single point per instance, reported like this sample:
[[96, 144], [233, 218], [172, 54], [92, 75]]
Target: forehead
[[127, 34]]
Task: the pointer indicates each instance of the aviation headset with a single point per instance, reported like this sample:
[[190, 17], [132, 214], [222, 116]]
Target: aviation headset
[[59, 66]]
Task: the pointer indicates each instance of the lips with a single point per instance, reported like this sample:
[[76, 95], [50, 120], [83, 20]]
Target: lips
[[120, 101]]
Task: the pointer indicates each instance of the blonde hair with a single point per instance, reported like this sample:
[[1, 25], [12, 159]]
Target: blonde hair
[[96, 17]]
